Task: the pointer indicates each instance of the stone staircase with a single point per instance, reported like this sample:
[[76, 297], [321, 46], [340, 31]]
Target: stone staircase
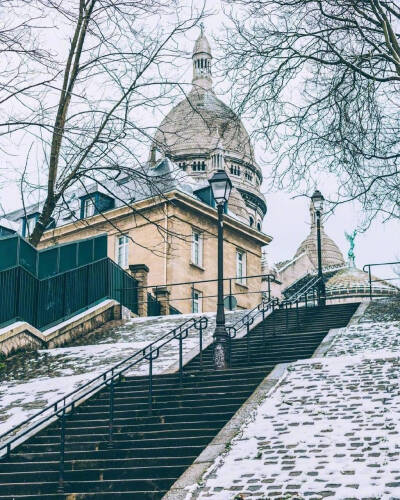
[[150, 451]]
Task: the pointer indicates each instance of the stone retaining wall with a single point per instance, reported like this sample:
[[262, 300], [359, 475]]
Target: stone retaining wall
[[23, 336]]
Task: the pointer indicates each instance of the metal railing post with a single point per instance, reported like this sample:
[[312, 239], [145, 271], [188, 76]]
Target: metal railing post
[[180, 360], [263, 326], [62, 454], [230, 294], [248, 340], [269, 288], [192, 297], [273, 321], [287, 318], [111, 415], [201, 344], [150, 408], [370, 282], [297, 314]]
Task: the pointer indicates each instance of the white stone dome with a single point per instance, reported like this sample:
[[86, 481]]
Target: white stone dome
[[196, 124], [199, 126], [331, 253]]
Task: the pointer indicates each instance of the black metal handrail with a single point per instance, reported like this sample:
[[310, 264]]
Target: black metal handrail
[[370, 280], [66, 404], [265, 308], [302, 296]]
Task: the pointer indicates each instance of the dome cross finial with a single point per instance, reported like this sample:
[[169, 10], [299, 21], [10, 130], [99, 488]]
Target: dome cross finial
[[201, 29]]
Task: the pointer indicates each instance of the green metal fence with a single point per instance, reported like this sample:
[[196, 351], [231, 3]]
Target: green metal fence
[[153, 306], [16, 251], [43, 302]]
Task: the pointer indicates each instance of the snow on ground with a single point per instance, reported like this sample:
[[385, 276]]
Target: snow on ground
[[365, 337], [329, 429], [32, 380]]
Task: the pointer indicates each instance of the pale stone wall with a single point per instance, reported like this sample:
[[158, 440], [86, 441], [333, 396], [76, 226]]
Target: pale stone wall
[[169, 257], [295, 270], [22, 336]]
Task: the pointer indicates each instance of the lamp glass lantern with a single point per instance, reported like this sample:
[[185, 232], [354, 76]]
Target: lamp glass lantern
[[221, 186], [318, 200]]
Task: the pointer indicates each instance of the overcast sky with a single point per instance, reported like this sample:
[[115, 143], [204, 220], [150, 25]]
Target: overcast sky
[[287, 219]]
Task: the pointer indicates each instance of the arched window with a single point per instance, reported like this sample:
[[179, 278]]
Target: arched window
[[251, 220], [258, 226]]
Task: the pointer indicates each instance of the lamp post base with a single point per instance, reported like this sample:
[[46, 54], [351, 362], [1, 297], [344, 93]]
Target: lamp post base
[[221, 348]]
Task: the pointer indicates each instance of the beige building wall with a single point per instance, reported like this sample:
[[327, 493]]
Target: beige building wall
[[161, 237]]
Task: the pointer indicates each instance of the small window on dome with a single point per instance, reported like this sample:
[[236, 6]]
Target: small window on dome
[[258, 226], [251, 221]]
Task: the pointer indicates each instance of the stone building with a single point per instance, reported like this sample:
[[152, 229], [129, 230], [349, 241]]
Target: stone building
[[165, 232]]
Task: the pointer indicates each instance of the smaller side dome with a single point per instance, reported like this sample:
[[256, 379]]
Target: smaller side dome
[[331, 253]]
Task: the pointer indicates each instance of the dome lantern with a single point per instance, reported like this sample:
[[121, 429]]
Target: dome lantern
[[202, 62]]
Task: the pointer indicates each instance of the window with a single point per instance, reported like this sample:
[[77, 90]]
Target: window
[[235, 170], [182, 165], [251, 221], [199, 166], [248, 176], [258, 226], [88, 207], [197, 248], [122, 251], [240, 267], [196, 301]]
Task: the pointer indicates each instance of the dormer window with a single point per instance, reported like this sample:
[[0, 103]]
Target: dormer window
[[88, 207], [95, 203]]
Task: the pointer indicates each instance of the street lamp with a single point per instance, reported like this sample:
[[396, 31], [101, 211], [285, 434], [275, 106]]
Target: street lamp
[[318, 203], [221, 187]]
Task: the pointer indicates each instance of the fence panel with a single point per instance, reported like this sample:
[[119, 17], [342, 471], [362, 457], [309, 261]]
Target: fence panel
[[28, 296], [153, 306], [8, 294], [48, 263], [68, 257], [8, 252], [28, 256], [50, 300], [97, 280]]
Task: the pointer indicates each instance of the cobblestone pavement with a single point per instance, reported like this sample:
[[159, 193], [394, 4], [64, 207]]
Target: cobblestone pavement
[[329, 429], [366, 337], [382, 310]]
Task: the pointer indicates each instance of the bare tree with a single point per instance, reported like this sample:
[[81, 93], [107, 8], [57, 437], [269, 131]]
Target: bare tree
[[322, 80], [88, 118]]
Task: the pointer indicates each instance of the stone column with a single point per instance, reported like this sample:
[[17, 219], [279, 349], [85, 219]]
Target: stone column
[[140, 273], [162, 294]]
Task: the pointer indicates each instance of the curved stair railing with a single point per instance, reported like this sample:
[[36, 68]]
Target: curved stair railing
[[264, 309], [65, 405]]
